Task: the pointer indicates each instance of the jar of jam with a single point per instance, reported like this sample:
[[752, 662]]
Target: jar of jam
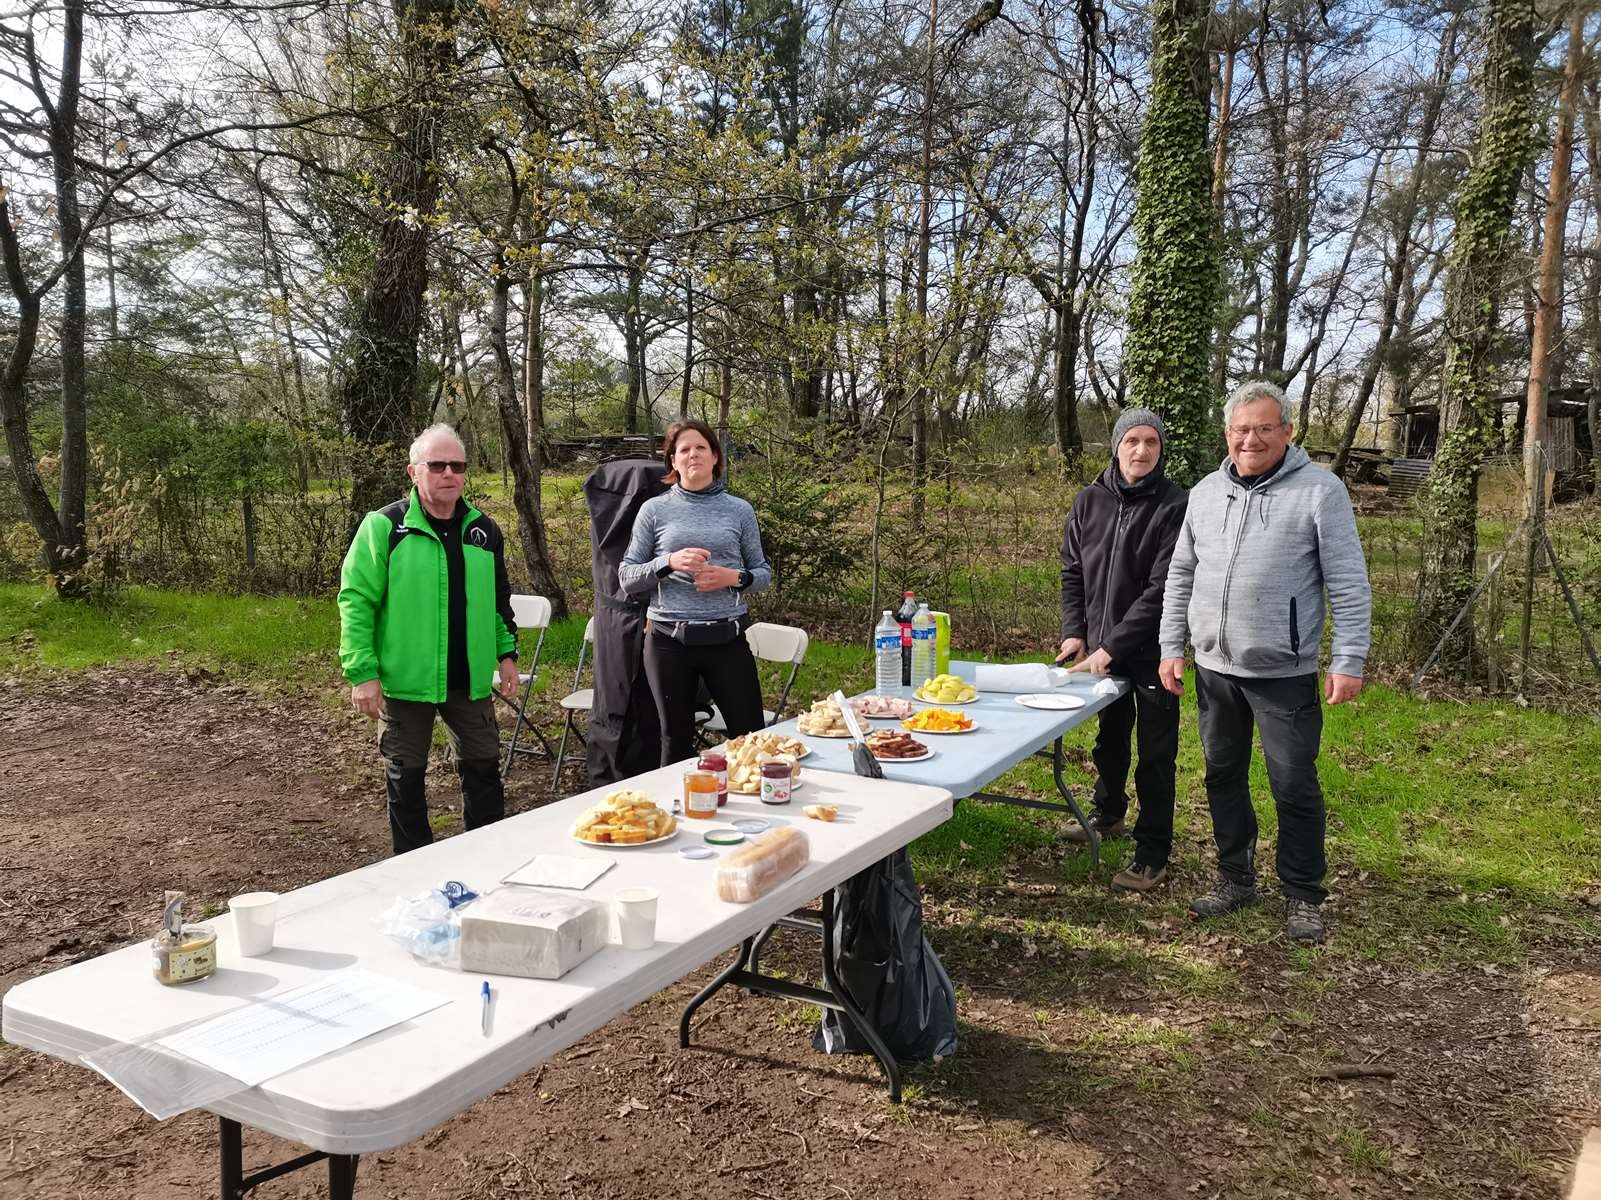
[[775, 781], [700, 795], [716, 762]]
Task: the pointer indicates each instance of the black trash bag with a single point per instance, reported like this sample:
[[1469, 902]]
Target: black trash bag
[[886, 965]]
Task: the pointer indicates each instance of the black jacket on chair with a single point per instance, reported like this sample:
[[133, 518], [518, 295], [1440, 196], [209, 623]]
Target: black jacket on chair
[[1116, 546], [624, 734]]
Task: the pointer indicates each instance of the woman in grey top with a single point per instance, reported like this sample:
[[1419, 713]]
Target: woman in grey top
[[696, 551]]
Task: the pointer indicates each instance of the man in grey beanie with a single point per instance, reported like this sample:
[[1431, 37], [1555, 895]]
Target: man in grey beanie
[[1267, 536], [1115, 550]]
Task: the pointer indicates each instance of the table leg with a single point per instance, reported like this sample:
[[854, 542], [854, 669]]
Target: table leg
[[833, 994], [342, 1176], [1067, 794], [847, 1004], [235, 1183], [736, 969], [1071, 805], [231, 1156]]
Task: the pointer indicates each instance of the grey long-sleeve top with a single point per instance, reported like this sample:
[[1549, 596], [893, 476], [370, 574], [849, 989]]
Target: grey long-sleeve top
[[1248, 576], [714, 519]]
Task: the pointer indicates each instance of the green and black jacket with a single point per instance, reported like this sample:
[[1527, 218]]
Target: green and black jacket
[[394, 602]]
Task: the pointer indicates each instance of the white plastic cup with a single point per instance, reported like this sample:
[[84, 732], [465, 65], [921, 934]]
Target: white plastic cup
[[254, 916], [636, 918]]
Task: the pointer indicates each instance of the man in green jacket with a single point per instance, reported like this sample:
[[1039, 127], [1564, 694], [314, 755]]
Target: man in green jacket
[[425, 627]]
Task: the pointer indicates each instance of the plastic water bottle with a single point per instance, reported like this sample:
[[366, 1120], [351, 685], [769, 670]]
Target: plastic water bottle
[[923, 632], [887, 654]]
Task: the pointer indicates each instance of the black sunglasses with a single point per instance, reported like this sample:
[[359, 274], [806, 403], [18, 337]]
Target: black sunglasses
[[436, 466]]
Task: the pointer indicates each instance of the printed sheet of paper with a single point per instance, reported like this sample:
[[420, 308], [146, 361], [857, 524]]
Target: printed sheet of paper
[[282, 1032], [559, 870]]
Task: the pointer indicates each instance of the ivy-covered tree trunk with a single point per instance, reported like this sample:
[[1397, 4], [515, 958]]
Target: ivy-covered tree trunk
[[1503, 154], [1177, 272], [377, 389]]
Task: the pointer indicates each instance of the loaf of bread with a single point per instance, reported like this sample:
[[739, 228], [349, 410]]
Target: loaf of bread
[[754, 870]]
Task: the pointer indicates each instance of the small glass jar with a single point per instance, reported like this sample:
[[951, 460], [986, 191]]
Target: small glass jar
[[717, 763], [700, 795], [776, 781], [186, 956]]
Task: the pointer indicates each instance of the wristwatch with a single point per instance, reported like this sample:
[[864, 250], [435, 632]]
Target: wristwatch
[[745, 580]]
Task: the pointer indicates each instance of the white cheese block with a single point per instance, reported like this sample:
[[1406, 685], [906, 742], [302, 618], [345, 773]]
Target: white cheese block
[[527, 932]]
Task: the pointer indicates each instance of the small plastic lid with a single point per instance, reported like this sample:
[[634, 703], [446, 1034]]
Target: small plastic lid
[[697, 852], [724, 837], [751, 825]]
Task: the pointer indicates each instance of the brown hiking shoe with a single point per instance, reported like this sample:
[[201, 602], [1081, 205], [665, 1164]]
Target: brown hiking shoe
[[1077, 833], [1138, 878]]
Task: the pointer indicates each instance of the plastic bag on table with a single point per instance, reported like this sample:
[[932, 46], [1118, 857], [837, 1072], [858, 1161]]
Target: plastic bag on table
[[429, 924], [160, 1080], [886, 964]]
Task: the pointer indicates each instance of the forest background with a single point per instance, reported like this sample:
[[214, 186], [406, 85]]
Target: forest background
[[911, 261]]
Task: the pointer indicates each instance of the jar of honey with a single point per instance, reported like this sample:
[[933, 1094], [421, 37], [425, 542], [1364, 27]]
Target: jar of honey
[[776, 781], [717, 763], [182, 953], [700, 795]]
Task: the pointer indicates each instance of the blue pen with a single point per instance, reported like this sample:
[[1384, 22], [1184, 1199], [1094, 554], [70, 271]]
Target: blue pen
[[486, 1008]]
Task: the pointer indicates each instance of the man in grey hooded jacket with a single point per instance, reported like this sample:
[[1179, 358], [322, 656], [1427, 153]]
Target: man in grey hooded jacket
[[1266, 536]]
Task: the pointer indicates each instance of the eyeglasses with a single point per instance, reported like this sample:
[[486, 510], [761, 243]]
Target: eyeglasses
[[1261, 431], [437, 466]]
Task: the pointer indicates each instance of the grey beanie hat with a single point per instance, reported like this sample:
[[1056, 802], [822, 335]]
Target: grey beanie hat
[[1129, 418]]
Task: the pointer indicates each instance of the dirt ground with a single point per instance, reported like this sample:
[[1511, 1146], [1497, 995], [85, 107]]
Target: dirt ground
[[1072, 1080]]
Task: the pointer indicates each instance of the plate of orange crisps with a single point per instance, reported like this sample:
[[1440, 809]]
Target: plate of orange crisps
[[939, 720]]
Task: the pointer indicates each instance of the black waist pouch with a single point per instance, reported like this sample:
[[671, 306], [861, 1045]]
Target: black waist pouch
[[702, 633]]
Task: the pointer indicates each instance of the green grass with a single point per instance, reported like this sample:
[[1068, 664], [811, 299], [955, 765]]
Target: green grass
[[280, 638]]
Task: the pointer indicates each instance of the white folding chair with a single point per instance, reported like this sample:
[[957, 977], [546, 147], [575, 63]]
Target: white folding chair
[[776, 644], [529, 612], [579, 700]]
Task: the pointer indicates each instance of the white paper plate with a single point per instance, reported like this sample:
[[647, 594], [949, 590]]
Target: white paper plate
[[916, 699], [666, 837], [928, 753], [1055, 701], [862, 721]]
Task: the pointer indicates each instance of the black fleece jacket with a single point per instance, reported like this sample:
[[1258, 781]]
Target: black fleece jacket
[[1115, 550]]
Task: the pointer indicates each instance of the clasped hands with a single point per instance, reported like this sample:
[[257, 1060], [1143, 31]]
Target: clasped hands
[[695, 561], [1098, 663]]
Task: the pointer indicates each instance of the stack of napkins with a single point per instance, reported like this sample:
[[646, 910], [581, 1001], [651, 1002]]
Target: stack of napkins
[[538, 935]]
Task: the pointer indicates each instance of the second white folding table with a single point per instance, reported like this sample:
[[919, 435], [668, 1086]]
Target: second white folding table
[[1005, 734]]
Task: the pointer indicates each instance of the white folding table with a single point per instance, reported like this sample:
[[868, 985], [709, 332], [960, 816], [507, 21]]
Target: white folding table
[[1005, 734], [397, 1085]]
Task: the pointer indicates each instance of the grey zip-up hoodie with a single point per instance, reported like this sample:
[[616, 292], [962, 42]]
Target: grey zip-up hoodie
[[1246, 583]]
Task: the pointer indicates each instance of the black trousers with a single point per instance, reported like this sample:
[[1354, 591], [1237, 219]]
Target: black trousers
[[1151, 713], [676, 671], [474, 737], [1289, 715]]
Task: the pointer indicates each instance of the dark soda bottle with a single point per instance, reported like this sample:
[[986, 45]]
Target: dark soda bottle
[[907, 612]]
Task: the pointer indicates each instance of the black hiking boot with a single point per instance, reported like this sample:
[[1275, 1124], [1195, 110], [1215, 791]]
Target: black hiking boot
[[1303, 921], [1225, 897]]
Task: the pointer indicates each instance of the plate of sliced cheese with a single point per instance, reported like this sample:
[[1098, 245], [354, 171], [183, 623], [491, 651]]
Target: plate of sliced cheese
[[624, 820], [824, 719]]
